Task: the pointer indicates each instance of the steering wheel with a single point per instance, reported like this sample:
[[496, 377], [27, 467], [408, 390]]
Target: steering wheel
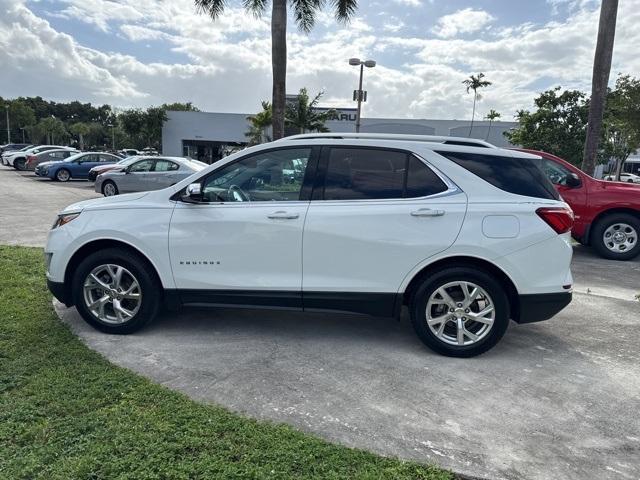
[[237, 194]]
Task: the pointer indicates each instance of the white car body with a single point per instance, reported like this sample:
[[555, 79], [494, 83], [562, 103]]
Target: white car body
[[362, 255], [9, 159], [625, 177]]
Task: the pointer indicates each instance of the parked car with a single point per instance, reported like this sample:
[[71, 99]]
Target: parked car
[[76, 166], [624, 177], [129, 152], [5, 155], [18, 159], [146, 173], [466, 236], [607, 214], [48, 156], [12, 147]]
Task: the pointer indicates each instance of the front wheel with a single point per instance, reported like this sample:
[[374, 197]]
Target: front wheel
[[460, 312], [63, 175], [109, 189], [616, 236], [115, 292]]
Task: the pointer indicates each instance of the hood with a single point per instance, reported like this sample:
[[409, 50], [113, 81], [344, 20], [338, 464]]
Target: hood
[[104, 203], [49, 163]]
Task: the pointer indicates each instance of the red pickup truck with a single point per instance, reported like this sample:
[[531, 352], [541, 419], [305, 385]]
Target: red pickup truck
[[607, 214]]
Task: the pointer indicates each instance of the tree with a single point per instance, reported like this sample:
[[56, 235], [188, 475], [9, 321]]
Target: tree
[[51, 129], [80, 129], [475, 83], [491, 116], [600, 82], [558, 125], [304, 13], [621, 122], [303, 113], [259, 124]]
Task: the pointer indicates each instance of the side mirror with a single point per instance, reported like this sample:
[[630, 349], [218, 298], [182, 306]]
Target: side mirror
[[193, 193], [573, 180]]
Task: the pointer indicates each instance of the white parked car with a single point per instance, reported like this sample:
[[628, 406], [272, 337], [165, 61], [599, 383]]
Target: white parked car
[[466, 235], [18, 159], [624, 177]]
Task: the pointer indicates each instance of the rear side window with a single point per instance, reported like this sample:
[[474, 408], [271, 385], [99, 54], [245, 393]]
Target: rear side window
[[522, 176], [366, 174]]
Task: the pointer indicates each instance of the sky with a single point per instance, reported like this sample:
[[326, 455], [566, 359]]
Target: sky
[[137, 53]]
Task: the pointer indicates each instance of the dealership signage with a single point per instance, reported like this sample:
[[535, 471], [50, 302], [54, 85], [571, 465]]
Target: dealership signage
[[342, 114]]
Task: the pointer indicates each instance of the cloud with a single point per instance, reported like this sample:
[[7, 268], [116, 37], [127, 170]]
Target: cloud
[[467, 20], [410, 3], [227, 63]]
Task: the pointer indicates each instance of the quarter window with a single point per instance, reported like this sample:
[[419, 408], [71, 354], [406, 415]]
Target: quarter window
[[275, 175], [365, 174]]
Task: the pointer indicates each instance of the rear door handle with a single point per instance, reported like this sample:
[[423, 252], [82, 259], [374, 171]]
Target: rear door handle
[[283, 215], [427, 212]]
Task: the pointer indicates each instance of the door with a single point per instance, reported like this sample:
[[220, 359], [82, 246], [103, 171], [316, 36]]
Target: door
[[576, 197], [86, 163], [374, 217], [134, 178], [165, 174], [245, 237]]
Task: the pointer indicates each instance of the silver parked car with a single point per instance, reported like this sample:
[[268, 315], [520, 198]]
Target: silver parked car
[[147, 173]]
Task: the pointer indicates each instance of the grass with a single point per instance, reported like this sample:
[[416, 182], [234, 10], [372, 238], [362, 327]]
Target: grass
[[67, 413]]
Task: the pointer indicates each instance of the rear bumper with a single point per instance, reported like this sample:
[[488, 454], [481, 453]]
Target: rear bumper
[[59, 290], [541, 306]]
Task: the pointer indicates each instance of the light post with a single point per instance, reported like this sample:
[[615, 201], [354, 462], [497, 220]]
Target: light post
[[22, 128], [6, 107], [113, 137], [360, 95]]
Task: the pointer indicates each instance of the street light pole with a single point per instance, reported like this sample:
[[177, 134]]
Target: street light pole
[[8, 127], [113, 137], [22, 128], [360, 95]]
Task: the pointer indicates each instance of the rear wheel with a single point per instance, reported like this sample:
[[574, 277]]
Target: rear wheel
[[115, 291], [20, 164], [63, 175], [109, 189], [616, 236], [460, 312]]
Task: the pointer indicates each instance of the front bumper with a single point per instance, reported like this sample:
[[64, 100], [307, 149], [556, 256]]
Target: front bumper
[[61, 292], [541, 306]]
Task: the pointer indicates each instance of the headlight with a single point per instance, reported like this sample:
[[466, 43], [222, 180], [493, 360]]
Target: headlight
[[65, 218]]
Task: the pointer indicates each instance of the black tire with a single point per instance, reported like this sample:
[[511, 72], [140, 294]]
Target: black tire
[[115, 187], [63, 175], [20, 164], [149, 288], [495, 290], [601, 226]]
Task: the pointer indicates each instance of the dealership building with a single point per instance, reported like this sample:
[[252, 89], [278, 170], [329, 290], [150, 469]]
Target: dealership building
[[208, 135]]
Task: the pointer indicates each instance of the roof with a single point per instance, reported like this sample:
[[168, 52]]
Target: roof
[[446, 140]]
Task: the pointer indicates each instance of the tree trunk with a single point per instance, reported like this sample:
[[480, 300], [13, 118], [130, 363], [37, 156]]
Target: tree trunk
[[81, 141], [601, 71], [279, 65], [473, 113], [619, 166]]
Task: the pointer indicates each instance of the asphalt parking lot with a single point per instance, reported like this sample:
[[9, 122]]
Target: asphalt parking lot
[[558, 399]]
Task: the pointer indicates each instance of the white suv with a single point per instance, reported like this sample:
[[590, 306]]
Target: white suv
[[466, 235]]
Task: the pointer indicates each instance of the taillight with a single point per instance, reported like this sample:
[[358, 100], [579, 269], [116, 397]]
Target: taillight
[[558, 218]]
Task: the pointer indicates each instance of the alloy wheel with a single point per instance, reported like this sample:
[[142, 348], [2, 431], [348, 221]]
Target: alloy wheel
[[63, 175], [620, 237], [112, 294], [460, 313], [109, 190]]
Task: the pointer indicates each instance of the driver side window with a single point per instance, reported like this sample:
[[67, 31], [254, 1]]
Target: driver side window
[[143, 166], [265, 177]]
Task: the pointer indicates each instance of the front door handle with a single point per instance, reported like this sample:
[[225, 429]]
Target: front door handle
[[283, 215], [427, 212]]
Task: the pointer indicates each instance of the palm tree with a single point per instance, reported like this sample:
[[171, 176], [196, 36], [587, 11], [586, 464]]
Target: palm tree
[[599, 82], [258, 125], [304, 12], [475, 82], [303, 114], [80, 129], [491, 116]]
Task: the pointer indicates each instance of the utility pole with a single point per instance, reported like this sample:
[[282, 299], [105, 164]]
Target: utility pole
[[8, 127]]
